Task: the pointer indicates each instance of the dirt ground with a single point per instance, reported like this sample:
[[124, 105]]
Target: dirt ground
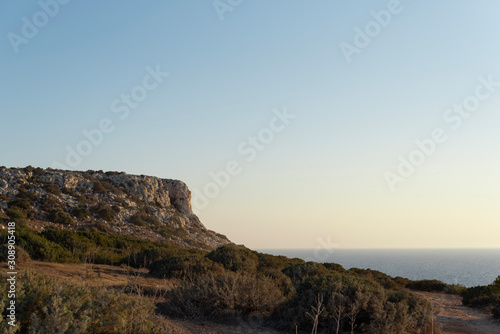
[[458, 319]]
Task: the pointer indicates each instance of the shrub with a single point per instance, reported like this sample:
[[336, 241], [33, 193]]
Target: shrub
[[141, 218], [235, 258], [300, 272], [45, 304], [5, 198], [99, 188], [275, 262], [20, 203], [29, 196], [15, 213], [480, 296], [334, 267], [58, 216], [427, 285], [51, 188], [224, 294], [51, 202], [183, 266], [353, 303], [41, 249], [102, 227], [145, 258], [104, 211], [81, 212], [496, 308]]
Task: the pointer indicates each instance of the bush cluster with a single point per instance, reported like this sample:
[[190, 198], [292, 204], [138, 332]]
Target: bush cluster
[[58, 216], [233, 281], [484, 296], [436, 286], [45, 305]]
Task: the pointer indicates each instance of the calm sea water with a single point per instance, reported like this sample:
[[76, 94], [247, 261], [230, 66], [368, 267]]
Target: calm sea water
[[469, 267]]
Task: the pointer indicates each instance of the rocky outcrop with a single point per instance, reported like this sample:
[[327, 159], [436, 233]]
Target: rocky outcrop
[[135, 205]]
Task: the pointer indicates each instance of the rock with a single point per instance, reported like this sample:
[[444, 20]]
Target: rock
[[134, 205]]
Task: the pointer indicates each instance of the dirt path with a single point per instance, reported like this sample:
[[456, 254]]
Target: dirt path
[[458, 319]]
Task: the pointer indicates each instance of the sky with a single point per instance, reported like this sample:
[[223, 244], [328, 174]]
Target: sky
[[339, 124]]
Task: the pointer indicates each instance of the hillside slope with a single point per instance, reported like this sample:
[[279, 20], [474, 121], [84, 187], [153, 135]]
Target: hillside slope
[[142, 206]]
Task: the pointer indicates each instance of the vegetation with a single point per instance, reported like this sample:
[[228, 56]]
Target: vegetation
[[229, 282], [292, 293], [58, 216], [45, 305], [104, 211], [141, 218], [62, 246], [436, 286], [484, 296]]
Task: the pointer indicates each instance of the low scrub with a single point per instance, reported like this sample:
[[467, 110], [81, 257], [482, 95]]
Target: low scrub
[[45, 305], [224, 294], [183, 267], [484, 296], [436, 286]]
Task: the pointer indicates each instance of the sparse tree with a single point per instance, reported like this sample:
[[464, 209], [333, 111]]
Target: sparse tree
[[316, 312], [355, 304], [338, 309]]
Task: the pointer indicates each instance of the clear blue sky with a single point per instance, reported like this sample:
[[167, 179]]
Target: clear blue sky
[[324, 175]]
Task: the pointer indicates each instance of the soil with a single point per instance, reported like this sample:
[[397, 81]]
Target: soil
[[456, 318]]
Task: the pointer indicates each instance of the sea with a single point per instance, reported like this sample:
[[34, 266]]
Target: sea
[[468, 267]]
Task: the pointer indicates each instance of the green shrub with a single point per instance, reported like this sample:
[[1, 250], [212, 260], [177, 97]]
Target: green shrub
[[275, 262], [235, 258], [51, 202], [51, 188], [334, 267], [183, 266], [145, 258], [45, 305], [104, 211], [81, 212], [99, 188], [5, 198], [41, 249], [58, 216], [353, 303], [141, 218], [427, 285], [300, 272], [480, 296], [20, 203], [29, 196], [496, 308], [224, 294], [15, 213]]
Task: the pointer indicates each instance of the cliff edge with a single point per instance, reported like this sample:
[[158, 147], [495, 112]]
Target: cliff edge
[[139, 206]]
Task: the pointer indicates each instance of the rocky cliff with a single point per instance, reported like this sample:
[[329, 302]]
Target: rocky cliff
[[114, 202]]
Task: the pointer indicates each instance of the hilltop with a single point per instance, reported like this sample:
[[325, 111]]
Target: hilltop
[[116, 203]]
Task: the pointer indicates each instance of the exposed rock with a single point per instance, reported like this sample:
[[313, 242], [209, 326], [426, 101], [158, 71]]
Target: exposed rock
[[136, 205]]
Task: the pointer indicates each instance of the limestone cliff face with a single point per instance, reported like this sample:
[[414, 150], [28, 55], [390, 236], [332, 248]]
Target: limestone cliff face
[[135, 205]]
